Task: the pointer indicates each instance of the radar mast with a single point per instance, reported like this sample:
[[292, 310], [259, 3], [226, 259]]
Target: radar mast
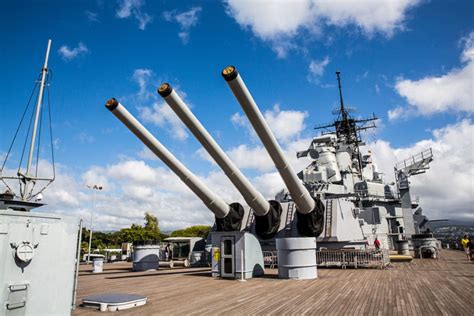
[[346, 127]]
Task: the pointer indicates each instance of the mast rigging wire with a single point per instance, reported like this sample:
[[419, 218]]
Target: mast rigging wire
[[24, 178]]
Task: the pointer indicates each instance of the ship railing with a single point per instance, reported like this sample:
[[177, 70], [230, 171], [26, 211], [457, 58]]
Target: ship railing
[[369, 258], [343, 258], [365, 194], [270, 259], [427, 154]]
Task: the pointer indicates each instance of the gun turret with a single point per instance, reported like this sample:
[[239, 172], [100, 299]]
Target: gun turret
[[228, 217], [267, 214], [310, 211]]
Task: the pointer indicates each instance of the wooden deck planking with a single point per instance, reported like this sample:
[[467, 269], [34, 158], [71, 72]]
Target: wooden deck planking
[[422, 287]]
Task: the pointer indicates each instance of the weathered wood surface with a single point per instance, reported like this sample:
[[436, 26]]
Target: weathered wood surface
[[422, 287]]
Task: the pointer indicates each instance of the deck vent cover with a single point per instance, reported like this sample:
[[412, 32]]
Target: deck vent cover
[[111, 302]]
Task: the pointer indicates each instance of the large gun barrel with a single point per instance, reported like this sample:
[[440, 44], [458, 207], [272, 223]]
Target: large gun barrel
[[253, 198], [304, 202], [220, 208]]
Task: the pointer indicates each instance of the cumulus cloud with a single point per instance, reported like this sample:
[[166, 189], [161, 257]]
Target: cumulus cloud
[[285, 124], [269, 20], [186, 21], [257, 158], [139, 187], [446, 189], [134, 8], [279, 23], [385, 17], [68, 54], [162, 115], [238, 119], [246, 157], [143, 78], [401, 112], [450, 92], [316, 69], [152, 109], [146, 154]]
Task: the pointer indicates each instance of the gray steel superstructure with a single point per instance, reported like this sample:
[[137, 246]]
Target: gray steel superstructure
[[351, 185]]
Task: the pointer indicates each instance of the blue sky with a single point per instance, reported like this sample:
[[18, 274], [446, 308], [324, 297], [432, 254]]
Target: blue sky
[[409, 62]]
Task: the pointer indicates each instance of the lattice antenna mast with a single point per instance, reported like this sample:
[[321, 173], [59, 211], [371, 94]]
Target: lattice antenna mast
[[346, 127], [343, 111]]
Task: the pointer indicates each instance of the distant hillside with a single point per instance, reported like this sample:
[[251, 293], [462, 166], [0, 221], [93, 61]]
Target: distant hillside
[[452, 222]]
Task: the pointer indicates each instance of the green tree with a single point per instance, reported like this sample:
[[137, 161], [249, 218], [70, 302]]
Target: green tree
[[136, 233], [151, 222], [193, 231]]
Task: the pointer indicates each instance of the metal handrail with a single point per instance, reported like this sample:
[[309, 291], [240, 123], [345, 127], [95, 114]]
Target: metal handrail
[[353, 258], [427, 153], [363, 258]]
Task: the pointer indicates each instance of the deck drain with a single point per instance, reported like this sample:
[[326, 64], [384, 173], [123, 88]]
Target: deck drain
[[112, 302]]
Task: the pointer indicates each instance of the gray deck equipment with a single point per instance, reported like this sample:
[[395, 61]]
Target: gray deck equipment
[[112, 302]]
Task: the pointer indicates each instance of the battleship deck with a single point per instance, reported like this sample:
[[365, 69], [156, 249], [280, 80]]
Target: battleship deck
[[422, 287]]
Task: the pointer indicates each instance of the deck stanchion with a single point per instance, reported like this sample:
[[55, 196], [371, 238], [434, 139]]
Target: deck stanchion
[[242, 278]]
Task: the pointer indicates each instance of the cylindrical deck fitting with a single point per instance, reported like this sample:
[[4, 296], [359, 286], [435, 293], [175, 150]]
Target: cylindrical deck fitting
[[302, 198], [297, 258], [146, 257], [253, 198], [210, 199]]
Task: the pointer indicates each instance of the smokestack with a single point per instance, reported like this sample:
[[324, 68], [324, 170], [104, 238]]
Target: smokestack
[[305, 204], [253, 198], [213, 202]]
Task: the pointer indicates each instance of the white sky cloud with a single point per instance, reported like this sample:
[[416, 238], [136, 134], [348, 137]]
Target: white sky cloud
[[186, 21], [68, 54], [285, 124], [162, 115], [143, 77], [401, 112], [246, 157], [147, 154], [316, 69], [280, 22], [383, 16], [133, 8], [270, 20], [152, 109], [452, 92], [447, 188]]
